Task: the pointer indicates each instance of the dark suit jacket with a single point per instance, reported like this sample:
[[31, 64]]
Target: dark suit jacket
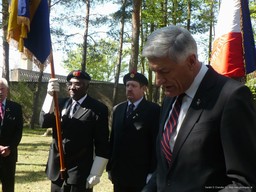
[[85, 132], [216, 144], [133, 144], [11, 131]]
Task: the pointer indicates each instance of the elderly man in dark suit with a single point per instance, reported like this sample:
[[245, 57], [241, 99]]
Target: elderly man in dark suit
[[133, 136], [11, 126], [85, 133], [212, 144]]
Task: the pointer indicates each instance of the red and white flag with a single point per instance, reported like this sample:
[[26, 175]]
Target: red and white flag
[[233, 52]]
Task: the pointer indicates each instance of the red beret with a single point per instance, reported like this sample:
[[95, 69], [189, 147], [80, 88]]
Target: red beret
[[79, 75]]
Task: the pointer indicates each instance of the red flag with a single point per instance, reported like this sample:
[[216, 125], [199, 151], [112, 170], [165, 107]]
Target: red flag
[[233, 52]]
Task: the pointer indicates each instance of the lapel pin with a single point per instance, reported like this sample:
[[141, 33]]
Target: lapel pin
[[198, 102]]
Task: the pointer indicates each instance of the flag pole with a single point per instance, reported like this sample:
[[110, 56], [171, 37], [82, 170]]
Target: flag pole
[[57, 118], [38, 42]]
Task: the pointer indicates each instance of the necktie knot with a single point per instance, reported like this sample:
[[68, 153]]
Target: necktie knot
[[75, 107], [180, 97], [178, 101]]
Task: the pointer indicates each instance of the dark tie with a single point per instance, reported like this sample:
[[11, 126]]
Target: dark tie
[[170, 127], [130, 110], [74, 108]]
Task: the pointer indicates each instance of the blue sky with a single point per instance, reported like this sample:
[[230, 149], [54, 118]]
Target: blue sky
[[15, 56]]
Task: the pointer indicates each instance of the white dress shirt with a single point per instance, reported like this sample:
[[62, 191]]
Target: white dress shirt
[[136, 103], [76, 102], [187, 99]]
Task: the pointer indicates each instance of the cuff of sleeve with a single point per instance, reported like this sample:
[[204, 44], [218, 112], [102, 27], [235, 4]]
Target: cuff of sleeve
[[98, 166], [48, 106]]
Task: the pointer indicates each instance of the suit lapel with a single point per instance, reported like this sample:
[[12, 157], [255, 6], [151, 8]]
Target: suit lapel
[[66, 108], [122, 110], [82, 109], [80, 112], [199, 103], [121, 118], [140, 108], [192, 117]]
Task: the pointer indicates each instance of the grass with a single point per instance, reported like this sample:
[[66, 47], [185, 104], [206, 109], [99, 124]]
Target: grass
[[33, 153]]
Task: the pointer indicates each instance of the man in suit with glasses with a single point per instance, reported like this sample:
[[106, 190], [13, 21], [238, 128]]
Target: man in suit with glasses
[[85, 133]]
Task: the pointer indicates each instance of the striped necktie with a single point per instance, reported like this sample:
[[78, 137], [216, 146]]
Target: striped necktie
[[170, 128]]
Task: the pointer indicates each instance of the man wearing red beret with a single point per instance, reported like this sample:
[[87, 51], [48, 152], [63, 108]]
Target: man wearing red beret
[[85, 133], [133, 135]]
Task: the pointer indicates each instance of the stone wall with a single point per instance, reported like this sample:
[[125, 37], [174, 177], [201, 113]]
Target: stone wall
[[102, 91]]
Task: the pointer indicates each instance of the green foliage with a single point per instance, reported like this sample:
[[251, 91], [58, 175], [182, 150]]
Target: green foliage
[[252, 85], [101, 61], [30, 169], [22, 94], [201, 15], [252, 9], [155, 14]]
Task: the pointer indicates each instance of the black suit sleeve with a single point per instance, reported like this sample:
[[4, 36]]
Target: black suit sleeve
[[17, 137], [238, 138], [101, 132], [151, 185]]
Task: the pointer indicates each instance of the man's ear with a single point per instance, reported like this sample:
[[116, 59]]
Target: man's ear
[[144, 88], [191, 61]]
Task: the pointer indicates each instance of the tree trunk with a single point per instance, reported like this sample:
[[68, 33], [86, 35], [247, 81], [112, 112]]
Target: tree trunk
[[135, 35], [36, 100], [84, 54], [165, 13], [189, 15], [210, 32], [5, 70], [174, 13], [115, 90]]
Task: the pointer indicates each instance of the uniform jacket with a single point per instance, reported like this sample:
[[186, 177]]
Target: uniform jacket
[[84, 135], [216, 145], [11, 131], [133, 143]]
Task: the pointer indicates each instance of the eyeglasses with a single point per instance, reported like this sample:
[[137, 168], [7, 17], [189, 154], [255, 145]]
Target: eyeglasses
[[75, 84]]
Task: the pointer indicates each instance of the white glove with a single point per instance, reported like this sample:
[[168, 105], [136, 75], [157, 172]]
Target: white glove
[[92, 180], [52, 86], [97, 169], [48, 105], [148, 177]]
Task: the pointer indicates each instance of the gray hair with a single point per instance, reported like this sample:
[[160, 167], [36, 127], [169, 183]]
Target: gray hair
[[173, 42], [4, 81]]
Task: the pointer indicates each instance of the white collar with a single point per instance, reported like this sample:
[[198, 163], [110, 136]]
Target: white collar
[[4, 102], [136, 103], [191, 91], [80, 100]]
